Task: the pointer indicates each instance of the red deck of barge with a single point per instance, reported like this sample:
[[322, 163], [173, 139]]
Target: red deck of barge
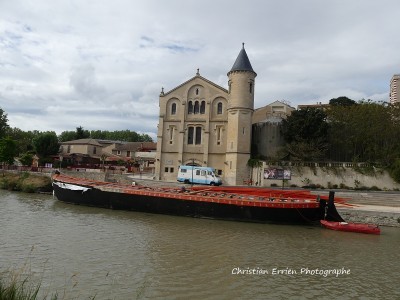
[[240, 196]]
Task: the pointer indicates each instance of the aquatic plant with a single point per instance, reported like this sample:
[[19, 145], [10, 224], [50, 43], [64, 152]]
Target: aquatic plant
[[16, 286]]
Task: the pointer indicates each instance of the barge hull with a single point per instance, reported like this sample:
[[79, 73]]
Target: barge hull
[[91, 196]]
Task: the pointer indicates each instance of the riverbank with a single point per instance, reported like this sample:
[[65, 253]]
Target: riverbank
[[14, 287], [379, 215], [25, 182]]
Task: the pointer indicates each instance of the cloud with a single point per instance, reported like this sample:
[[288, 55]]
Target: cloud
[[102, 65], [83, 80]]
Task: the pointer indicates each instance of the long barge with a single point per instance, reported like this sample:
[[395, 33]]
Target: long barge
[[224, 203]]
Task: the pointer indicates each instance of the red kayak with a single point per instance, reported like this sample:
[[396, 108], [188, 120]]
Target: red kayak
[[351, 227]]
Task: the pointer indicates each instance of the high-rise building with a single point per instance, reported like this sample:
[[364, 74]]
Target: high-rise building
[[394, 95]]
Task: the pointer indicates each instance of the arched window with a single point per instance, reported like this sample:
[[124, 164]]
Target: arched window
[[197, 91], [196, 107], [194, 135], [203, 107], [251, 87], [198, 136], [190, 135], [173, 109], [219, 108], [190, 107]]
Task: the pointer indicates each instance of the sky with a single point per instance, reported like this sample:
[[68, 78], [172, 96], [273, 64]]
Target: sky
[[101, 64]]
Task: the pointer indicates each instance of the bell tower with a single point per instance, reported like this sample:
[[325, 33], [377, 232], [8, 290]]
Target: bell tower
[[240, 111]]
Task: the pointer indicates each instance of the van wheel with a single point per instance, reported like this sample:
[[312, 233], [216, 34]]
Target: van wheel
[[187, 181], [212, 183]]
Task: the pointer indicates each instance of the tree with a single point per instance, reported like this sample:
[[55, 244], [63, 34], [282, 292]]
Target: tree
[[367, 131], [7, 150], [145, 138], [81, 134], [118, 135], [342, 101], [66, 136], [305, 132], [3, 124], [26, 159], [23, 139], [46, 144]]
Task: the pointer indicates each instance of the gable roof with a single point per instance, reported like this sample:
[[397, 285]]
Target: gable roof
[[191, 79], [276, 102], [135, 146], [83, 142], [110, 142]]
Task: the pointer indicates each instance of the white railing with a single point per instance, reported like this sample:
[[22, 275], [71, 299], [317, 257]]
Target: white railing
[[318, 164]]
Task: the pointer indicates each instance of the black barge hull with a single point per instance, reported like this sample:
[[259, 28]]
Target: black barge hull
[[199, 209]]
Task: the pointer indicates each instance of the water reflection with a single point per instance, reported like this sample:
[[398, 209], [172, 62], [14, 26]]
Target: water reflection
[[86, 251]]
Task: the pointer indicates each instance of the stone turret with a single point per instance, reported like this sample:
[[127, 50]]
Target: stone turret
[[240, 111]]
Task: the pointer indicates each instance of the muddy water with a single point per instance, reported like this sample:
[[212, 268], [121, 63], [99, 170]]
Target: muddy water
[[82, 252]]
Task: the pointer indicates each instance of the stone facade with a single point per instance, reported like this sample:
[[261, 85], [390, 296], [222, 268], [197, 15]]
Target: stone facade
[[202, 123], [276, 109], [267, 139]]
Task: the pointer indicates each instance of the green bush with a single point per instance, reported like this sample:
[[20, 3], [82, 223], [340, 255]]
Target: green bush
[[25, 182], [4, 183], [28, 188]]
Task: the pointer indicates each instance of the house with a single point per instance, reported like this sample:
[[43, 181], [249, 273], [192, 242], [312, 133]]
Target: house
[[96, 151], [141, 153], [275, 109], [81, 152]]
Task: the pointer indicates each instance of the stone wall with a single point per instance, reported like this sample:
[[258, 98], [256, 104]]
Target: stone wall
[[343, 176], [370, 217], [101, 176], [98, 176]]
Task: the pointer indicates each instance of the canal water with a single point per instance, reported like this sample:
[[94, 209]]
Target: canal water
[[83, 252]]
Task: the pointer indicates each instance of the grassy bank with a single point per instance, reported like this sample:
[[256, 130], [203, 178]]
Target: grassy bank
[[13, 286], [13, 290], [16, 286], [25, 182]]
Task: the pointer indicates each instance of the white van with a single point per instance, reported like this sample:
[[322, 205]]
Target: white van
[[199, 175]]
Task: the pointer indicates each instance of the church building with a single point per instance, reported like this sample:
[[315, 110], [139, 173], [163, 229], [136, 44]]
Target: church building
[[203, 124]]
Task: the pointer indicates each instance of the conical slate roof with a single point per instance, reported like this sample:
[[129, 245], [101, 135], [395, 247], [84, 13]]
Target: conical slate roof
[[242, 62]]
